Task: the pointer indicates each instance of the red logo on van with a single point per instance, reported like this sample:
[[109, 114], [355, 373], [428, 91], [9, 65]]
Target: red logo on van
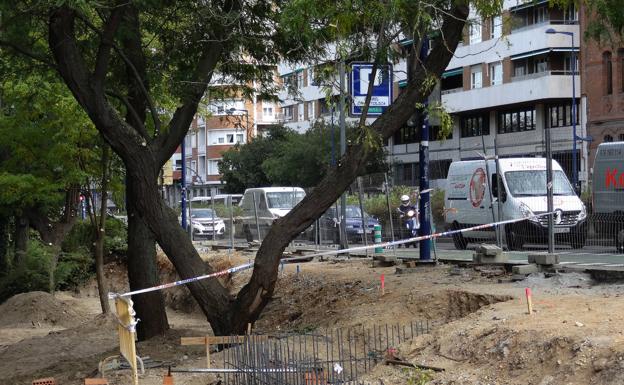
[[477, 187], [611, 177]]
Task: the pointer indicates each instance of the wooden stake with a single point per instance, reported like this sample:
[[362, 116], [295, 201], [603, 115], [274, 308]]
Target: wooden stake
[[527, 291], [383, 284], [249, 329]]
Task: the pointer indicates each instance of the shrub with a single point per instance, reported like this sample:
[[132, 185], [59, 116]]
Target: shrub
[[82, 237]]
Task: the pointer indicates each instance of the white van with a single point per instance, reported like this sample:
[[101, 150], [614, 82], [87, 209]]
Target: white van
[[608, 192], [270, 203], [523, 194]]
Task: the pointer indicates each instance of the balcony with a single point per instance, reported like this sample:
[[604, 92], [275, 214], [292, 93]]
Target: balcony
[[533, 38], [540, 86]]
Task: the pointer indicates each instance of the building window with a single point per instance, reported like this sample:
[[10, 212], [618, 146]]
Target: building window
[[221, 140], [240, 138], [560, 115], [230, 138], [311, 81], [607, 72], [300, 110], [567, 63], [435, 134], [475, 31], [310, 107], [300, 79], [267, 112], [540, 64], [213, 166], [406, 134], [476, 78], [608, 138], [474, 125], [516, 120], [178, 165], [621, 137], [541, 15], [438, 169], [288, 112], [496, 27], [520, 68], [496, 73]]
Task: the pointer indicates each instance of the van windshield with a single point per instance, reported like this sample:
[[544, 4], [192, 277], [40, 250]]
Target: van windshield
[[284, 199], [533, 183]]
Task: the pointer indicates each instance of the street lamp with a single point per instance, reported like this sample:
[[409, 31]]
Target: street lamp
[[552, 31]]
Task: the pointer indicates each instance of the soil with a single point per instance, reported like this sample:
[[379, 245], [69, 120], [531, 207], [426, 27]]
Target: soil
[[483, 333]]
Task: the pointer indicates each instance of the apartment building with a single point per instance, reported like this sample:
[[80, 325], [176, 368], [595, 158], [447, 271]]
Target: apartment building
[[508, 82], [225, 123], [602, 82]]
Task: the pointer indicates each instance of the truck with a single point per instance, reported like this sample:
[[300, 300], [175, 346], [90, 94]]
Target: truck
[[608, 193], [472, 198]]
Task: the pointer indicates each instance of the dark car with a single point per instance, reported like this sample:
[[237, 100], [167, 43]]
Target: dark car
[[329, 230]]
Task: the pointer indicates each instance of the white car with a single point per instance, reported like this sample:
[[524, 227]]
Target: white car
[[206, 222]]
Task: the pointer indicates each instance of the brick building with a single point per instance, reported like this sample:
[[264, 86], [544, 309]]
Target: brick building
[[602, 85]]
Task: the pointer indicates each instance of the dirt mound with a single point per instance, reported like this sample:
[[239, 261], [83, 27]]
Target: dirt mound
[[39, 308], [504, 345]]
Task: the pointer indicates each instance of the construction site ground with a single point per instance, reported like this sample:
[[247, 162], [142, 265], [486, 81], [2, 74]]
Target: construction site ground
[[482, 334]]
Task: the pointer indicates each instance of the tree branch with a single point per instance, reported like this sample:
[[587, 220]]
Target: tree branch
[[25, 52], [139, 126], [106, 43]]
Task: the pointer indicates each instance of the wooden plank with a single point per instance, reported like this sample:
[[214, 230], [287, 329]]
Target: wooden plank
[[125, 314], [193, 341]]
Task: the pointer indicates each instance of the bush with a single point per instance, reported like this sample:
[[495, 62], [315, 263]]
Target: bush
[[81, 237], [33, 273]]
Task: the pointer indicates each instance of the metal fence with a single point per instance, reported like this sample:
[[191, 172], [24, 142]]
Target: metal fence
[[340, 356], [588, 217]]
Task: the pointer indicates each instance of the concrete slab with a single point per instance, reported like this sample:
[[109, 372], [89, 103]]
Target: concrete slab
[[525, 269], [545, 259]]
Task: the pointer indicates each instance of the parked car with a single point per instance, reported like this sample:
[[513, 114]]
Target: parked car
[[263, 205], [205, 222], [329, 229], [608, 192], [523, 194]]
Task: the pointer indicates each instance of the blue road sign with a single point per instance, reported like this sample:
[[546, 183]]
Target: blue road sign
[[358, 88]]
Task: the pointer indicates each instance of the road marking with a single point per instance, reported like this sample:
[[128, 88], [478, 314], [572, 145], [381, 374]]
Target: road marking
[[615, 265], [567, 263]]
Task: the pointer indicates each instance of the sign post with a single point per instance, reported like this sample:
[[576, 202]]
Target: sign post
[[381, 98]]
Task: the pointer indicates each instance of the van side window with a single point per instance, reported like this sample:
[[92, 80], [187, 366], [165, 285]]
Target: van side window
[[494, 186], [261, 200]]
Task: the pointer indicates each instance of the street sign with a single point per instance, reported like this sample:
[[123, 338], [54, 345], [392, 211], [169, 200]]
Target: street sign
[[358, 88]]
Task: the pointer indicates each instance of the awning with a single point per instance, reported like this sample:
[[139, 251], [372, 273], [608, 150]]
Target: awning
[[453, 72], [527, 4], [543, 51]]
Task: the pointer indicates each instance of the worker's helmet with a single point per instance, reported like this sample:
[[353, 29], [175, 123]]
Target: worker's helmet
[[405, 199]]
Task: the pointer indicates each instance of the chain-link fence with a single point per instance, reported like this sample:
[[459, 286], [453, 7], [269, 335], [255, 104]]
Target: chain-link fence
[[587, 206]]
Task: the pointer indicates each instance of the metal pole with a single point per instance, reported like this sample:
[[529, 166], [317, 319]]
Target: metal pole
[[343, 149], [389, 210], [574, 166], [549, 194], [183, 184], [231, 223], [425, 224], [190, 216], [256, 215], [499, 191], [364, 227], [214, 233]]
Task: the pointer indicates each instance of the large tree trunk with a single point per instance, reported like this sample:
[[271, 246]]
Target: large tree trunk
[[99, 225], [4, 244], [143, 270], [21, 239], [144, 155]]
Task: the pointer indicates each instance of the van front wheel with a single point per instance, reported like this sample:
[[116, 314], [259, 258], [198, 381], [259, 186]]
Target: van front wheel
[[458, 239], [514, 240]]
